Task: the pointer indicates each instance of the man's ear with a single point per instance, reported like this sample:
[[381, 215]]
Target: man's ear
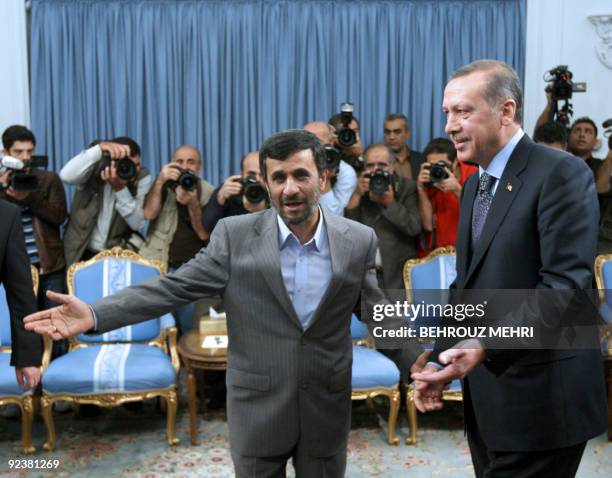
[[323, 177], [508, 110]]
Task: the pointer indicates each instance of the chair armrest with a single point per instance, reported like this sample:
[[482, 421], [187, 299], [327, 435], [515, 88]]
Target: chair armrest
[[47, 351], [169, 340]]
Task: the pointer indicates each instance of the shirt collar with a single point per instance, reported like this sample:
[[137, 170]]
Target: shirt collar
[[500, 160], [284, 233]]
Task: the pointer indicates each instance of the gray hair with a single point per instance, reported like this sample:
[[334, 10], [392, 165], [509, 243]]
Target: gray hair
[[502, 83]]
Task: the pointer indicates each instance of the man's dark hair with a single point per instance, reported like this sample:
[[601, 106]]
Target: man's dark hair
[[336, 121], [134, 146], [551, 132], [584, 119], [502, 83], [398, 116], [281, 145], [441, 146], [16, 133]]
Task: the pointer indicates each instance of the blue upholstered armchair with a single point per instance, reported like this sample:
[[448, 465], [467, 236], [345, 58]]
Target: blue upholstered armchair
[[133, 363], [603, 278], [427, 280], [374, 374], [10, 392]]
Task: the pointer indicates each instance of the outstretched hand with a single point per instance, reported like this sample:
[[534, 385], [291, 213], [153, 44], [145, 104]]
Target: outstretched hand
[[72, 317]]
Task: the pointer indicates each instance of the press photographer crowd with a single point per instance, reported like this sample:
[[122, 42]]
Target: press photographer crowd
[[410, 199]]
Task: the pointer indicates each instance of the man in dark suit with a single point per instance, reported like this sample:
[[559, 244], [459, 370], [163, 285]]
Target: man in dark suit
[[289, 278], [16, 277], [528, 221]]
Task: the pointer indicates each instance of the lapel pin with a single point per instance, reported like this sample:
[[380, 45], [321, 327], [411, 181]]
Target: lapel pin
[[509, 187]]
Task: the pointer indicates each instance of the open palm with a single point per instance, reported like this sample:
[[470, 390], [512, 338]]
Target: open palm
[[72, 317]]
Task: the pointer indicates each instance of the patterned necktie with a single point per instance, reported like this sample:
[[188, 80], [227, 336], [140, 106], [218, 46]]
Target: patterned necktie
[[483, 201]]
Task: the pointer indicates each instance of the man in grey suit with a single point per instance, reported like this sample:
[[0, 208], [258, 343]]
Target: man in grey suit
[[289, 278]]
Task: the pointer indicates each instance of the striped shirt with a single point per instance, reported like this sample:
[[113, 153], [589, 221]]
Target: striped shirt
[[28, 232]]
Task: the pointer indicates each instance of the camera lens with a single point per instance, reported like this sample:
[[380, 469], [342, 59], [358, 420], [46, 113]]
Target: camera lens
[[332, 157], [126, 169], [187, 180], [253, 191], [347, 137], [379, 181]]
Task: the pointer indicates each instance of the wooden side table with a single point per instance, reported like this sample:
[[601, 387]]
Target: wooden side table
[[195, 357]]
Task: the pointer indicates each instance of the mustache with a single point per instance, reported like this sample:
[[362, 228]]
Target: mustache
[[458, 138], [296, 198]]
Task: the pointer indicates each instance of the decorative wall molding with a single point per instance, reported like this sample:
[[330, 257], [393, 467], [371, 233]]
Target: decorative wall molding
[[603, 27]]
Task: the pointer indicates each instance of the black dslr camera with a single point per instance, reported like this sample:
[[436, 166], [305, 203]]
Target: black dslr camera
[[21, 177], [126, 169], [187, 180], [437, 172], [346, 136], [380, 180], [561, 89], [252, 190], [607, 125], [332, 157]]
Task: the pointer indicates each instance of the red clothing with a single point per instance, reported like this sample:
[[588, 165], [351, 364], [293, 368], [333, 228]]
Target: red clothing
[[446, 214]]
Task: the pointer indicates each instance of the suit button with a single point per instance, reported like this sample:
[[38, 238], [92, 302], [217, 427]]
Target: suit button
[[302, 342], [304, 385]]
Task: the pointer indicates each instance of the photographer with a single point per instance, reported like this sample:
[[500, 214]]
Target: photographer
[[230, 199], [43, 211], [439, 184], [175, 206], [397, 133], [107, 204], [388, 203], [340, 178], [350, 151], [582, 142]]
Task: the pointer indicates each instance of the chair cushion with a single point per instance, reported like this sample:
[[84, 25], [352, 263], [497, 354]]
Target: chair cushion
[[105, 277], [359, 330], [8, 379], [109, 368], [371, 369]]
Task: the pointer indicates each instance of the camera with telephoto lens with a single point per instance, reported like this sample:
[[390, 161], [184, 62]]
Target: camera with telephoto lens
[[561, 89], [380, 180], [346, 136], [332, 157], [187, 179], [607, 125], [437, 172], [126, 169], [21, 178], [252, 190]]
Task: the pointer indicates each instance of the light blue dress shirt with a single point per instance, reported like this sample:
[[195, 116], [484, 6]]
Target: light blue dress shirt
[[339, 196], [500, 160], [306, 269]]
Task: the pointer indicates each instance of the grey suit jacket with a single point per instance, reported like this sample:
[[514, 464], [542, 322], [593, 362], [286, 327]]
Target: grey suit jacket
[[283, 383]]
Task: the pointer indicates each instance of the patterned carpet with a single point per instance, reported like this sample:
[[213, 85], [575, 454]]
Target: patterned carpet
[[125, 443]]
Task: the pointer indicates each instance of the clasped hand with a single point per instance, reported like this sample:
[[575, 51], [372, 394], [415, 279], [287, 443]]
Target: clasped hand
[[430, 383]]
